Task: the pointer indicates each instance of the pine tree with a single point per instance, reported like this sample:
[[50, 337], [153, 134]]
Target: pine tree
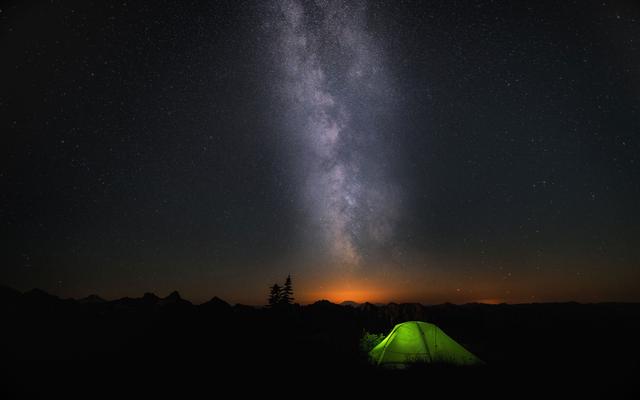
[[287, 292], [275, 297]]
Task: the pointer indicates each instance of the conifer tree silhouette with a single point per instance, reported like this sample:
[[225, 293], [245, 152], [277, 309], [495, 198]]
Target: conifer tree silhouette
[[287, 292], [275, 296]]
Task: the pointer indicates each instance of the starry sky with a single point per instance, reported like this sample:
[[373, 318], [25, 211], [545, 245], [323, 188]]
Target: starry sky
[[431, 151]]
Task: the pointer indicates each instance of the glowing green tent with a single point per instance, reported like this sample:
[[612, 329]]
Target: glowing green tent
[[416, 341]]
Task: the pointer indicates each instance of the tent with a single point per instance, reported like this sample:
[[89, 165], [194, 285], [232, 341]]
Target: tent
[[417, 341]]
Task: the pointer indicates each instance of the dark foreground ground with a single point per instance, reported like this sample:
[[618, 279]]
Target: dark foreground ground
[[151, 347]]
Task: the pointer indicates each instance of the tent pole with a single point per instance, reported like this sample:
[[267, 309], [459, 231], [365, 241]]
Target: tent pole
[[424, 341], [388, 339]]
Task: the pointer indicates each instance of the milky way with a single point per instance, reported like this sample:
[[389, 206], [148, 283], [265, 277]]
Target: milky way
[[336, 89]]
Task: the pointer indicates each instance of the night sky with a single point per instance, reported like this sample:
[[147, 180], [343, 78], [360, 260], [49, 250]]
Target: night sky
[[426, 151]]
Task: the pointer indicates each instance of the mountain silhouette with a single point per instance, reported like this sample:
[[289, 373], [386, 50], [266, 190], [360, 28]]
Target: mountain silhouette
[[174, 299], [216, 304], [92, 299]]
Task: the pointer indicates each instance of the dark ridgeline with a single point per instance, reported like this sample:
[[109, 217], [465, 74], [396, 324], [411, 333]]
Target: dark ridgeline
[[152, 345]]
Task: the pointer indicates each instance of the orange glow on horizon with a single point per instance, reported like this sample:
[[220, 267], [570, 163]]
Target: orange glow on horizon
[[338, 296], [489, 301], [337, 292], [444, 284]]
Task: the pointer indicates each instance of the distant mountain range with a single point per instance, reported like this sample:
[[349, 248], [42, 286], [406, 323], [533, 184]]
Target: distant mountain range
[[174, 298], [151, 300], [385, 314]]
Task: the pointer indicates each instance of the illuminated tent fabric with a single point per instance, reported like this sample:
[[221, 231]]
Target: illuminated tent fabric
[[417, 341]]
